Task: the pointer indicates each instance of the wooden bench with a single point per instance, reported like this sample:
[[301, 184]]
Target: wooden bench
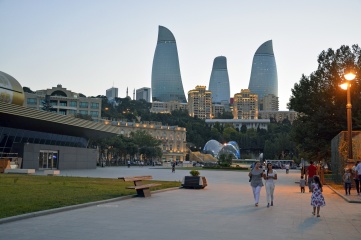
[[142, 189]]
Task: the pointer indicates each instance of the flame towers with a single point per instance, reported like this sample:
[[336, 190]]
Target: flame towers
[[219, 82], [166, 78], [264, 79]]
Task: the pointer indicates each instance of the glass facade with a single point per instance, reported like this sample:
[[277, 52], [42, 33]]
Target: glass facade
[[215, 148], [219, 82], [166, 78], [264, 78]]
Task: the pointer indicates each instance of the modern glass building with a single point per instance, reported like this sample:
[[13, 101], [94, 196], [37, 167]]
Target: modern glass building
[[219, 82], [166, 78], [264, 79]]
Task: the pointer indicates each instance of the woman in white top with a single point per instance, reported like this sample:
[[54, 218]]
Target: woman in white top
[[270, 176]]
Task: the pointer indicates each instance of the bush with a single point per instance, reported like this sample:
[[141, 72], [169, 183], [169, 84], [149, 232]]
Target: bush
[[194, 173]]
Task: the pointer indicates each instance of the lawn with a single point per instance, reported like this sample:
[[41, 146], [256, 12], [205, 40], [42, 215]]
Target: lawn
[[28, 193]]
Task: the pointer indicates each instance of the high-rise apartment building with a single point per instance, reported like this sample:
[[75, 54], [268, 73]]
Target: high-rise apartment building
[[219, 81], [264, 78], [112, 93], [200, 103], [143, 93], [166, 78], [269, 103], [245, 105]]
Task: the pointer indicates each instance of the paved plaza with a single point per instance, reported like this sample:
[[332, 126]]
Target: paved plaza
[[223, 210]]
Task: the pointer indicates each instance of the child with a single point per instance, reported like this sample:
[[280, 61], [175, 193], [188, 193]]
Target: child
[[317, 199], [347, 181], [302, 184]]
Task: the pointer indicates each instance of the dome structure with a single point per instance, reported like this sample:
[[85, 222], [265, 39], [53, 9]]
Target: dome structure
[[10, 90], [215, 148]]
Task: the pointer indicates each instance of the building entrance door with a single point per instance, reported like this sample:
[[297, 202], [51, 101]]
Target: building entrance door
[[48, 159]]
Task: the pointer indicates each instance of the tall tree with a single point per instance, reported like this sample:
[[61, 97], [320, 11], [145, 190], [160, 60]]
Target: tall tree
[[321, 102]]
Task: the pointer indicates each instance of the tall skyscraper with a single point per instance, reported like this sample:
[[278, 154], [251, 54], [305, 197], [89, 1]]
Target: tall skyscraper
[[264, 79], [166, 78], [219, 82]]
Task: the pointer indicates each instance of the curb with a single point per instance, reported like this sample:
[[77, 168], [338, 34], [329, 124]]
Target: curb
[[342, 196], [73, 207]]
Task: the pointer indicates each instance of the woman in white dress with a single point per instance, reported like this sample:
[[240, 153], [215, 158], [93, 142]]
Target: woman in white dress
[[269, 177]]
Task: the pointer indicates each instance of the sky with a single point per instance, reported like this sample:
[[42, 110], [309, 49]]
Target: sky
[[89, 46]]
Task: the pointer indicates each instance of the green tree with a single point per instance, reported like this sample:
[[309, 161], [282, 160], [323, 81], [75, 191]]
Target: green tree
[[321, 103]]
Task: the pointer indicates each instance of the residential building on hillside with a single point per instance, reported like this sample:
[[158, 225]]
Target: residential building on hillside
[[167, 107], [269, 103], [245, 105], [166, 78], [278, 116], [64, 102], [200, 103], [112, 93], [143, 93], [238, 123]]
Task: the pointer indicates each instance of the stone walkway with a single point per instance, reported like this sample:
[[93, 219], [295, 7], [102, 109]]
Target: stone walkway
[[223, 210]]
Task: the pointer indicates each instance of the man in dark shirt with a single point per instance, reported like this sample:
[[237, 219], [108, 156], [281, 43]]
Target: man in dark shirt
[[311, 171]]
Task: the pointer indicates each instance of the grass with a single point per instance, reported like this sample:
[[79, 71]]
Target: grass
[[22, 194]]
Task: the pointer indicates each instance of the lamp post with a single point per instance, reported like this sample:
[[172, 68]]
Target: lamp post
[[347, 86]]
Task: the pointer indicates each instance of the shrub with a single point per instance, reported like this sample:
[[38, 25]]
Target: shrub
[[194, 173]]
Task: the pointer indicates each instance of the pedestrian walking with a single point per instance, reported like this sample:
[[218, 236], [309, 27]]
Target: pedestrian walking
[[311, 171], [347, 181], [128, 163], [173, 167], [256, 175], [269, 177], [302, 184], [356, 178], [317, 199]]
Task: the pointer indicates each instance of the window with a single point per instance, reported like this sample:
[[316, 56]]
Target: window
[[94, 105], [63, 103], [73, 104], [31, 101], [94, 113], [83, 112], [83, 105]]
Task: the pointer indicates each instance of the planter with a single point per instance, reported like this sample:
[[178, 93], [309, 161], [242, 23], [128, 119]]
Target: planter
[[196, 182]]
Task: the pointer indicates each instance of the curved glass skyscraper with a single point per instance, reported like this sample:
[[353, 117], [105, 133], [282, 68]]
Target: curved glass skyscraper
[[166, 78], [219, 82], [264, 78]]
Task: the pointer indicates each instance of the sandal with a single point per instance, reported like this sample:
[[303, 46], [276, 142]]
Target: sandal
[[313, 213]]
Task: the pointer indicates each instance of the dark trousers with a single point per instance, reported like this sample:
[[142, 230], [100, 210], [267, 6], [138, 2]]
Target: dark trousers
[[347, 188], [357, 184]]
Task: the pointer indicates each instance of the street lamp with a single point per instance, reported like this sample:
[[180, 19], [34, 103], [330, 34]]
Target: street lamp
[[347, 86]]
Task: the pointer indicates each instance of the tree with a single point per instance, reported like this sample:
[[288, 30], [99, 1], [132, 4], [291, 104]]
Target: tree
[[321, 103]]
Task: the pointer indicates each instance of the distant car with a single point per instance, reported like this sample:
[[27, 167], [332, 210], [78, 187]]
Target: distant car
[[276, 167]]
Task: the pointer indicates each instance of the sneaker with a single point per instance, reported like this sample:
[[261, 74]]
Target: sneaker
[[256, 204], [267, 204]]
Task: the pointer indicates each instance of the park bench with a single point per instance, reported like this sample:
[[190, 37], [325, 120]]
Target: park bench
[[142, 189]]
